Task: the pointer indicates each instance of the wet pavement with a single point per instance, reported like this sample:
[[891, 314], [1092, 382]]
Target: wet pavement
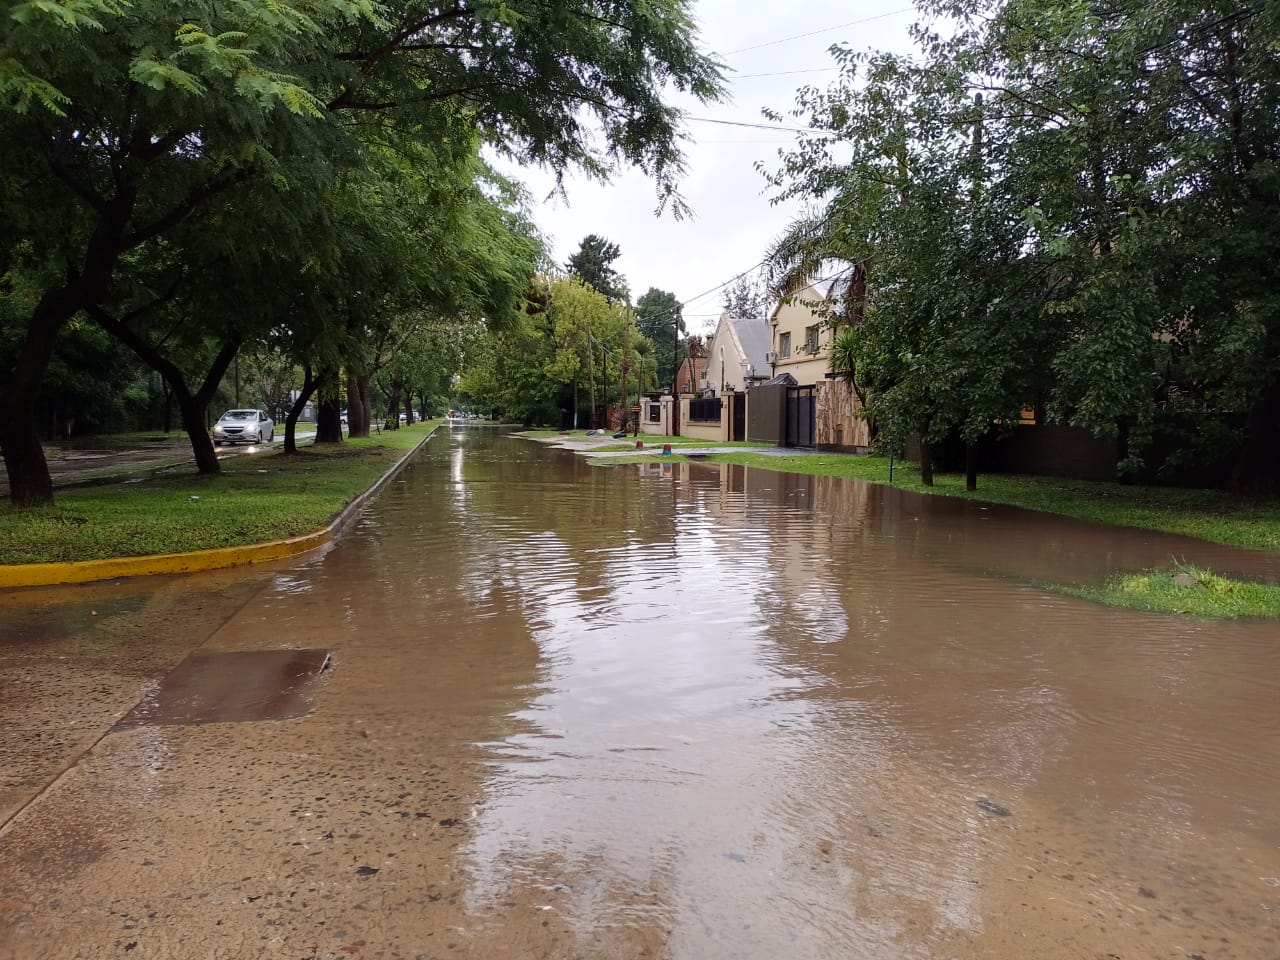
[[651, 710], [88, 461]]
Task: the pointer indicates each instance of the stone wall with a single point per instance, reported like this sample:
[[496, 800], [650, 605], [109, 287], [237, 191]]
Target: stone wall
[[838, 425]]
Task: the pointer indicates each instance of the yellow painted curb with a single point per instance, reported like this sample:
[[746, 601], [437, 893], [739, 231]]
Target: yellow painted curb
[[88, 571]]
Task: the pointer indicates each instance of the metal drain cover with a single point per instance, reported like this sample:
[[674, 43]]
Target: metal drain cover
[[232, 688]]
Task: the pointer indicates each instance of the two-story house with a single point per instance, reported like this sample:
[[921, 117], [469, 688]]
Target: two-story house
[[821, 409]]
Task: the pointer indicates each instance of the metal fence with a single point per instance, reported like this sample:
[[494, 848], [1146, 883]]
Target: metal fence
[[705, 410]]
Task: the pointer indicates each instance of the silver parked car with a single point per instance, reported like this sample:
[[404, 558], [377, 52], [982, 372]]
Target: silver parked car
[[243, 426]]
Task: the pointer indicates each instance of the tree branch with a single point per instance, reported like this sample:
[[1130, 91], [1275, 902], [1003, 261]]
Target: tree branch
[[78, 187], [194, 199], [371, 61]]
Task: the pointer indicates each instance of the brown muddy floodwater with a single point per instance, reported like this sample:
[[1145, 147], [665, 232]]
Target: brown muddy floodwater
[[665, 711]]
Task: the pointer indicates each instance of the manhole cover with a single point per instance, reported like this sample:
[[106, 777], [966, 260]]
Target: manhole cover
[[231, 688]]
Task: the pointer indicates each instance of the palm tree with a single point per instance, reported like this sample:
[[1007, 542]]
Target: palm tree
[[814, 243], [811, 245]]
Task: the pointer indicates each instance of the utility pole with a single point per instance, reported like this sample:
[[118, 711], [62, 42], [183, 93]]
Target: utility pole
[[971, 449], [626, 364], [591, 380], [673, 422]]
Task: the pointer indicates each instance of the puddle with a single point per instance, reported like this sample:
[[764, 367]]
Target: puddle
[[232, 688]]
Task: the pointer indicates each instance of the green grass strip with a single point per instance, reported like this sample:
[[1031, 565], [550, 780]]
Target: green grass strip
[[1187, 590], [256, 498]]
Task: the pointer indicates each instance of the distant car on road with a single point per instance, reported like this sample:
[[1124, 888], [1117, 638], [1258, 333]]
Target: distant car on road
[[243, 426]]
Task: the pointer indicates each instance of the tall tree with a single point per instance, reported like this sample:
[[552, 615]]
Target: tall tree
[[121, 123], [659, 316], [744, 298], [947, 338], [592, 263], [558, 356]]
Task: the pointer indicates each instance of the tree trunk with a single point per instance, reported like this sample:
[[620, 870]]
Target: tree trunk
[[328, 421], [192, 411], [357, 422], [971, 466], [926, 462], [295, 411], [29, 481], [192, 405], [397, 388], [168, 405], [592, 422], [328, 407]]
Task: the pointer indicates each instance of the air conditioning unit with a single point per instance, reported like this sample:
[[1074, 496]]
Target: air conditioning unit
[[771, 357]]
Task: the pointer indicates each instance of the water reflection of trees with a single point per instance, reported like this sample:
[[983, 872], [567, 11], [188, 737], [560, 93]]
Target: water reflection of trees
[[862, 684]]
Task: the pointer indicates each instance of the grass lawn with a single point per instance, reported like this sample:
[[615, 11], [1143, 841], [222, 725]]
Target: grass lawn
[[1192, 591], [266, 496]]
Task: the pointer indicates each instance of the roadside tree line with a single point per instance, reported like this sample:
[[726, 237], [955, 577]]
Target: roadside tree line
[[579, 345], [303, 178], [1070, 208]]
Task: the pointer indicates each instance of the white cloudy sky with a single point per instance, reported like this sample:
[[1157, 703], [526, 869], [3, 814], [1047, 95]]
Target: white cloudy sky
[[733, 220]]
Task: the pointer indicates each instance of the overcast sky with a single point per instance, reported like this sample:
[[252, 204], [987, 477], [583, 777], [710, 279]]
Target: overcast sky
[[733, 220]]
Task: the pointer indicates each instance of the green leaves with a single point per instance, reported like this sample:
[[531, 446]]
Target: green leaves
[[1124, 194], [159, 74], [68, 14], [318, 156]]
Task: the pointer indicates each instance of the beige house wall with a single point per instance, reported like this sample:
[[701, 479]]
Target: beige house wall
[[663, 426], [726, 366], [701, 430], [795, 318]]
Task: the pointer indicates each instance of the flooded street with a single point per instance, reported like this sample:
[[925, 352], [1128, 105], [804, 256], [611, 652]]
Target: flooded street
[[688, 711]]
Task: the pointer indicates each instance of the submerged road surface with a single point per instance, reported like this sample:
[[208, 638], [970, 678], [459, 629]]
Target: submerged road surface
[[535, 708]]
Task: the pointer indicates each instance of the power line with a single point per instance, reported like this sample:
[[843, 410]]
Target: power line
[[776, 143], [781, 73], [755, 126], [720, 286], [814, 33]]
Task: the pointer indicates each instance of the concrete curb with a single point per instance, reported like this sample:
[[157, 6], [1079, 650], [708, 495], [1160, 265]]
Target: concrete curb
[[89, 571]]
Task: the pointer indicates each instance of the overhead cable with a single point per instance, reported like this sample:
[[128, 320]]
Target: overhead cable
[[781, 73], [814, 33], [754, 126]]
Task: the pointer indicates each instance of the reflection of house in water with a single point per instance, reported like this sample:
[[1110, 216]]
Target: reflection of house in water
[[799, 521]]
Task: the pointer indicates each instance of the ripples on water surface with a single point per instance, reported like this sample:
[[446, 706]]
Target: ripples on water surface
[[692, 711], [764, 708]]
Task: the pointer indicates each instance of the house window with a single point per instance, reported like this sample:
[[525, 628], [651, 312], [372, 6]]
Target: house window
[[811, 339], [784, 345]]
